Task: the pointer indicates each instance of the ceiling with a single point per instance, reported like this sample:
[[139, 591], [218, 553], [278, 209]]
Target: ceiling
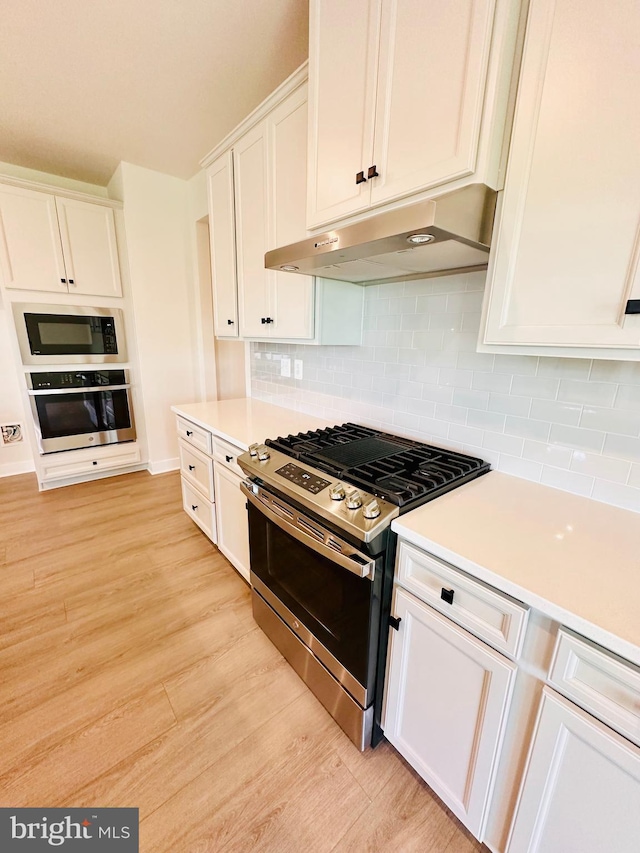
[[158, 83]]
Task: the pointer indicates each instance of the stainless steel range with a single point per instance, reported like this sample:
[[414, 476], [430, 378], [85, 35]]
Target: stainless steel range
[[320, 507]]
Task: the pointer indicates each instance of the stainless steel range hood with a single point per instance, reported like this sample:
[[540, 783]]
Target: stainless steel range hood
[[444, 235]]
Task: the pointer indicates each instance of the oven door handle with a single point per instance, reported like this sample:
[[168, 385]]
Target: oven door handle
[[55, 391], [363, 566]]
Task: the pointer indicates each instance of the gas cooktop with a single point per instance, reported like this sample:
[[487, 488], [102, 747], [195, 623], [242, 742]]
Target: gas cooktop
[[398, 470]]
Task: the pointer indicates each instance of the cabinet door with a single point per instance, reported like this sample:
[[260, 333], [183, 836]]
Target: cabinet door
[[252, 211], [447, 699], [566, 254], [343, 47], [231, 515], [30, 249], [223, 246], [581, 790], [292, 296], [431, 89], [89, 245]]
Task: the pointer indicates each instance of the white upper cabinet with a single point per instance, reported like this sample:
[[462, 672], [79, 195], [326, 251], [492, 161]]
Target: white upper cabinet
[[56, 244], [405, 96], [223, 246], [89, 247], [565, 257]]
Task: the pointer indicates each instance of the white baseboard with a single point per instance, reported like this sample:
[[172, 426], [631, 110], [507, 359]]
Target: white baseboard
[[10, 469], [164, 465]]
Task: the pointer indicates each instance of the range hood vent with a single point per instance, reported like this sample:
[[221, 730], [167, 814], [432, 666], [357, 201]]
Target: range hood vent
[[441, 236]]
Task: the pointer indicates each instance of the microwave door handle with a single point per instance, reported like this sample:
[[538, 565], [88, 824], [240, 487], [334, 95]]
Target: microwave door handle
[[363, 569]]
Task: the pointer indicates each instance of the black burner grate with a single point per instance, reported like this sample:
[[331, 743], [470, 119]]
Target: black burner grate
[[400, 470]]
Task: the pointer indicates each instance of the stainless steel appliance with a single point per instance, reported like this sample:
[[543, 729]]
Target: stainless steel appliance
[[320, 506], [69, 334], [83, 409], [447, 234]]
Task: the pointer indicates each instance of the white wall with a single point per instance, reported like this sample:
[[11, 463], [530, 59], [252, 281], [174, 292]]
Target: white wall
[[566, 422], [159, 248]]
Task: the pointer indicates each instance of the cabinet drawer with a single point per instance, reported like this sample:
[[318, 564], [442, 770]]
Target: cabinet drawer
[[202, 511], [197, 469], [602, 684], [195, 435], [227, 454], [486, 613], [75, 463]]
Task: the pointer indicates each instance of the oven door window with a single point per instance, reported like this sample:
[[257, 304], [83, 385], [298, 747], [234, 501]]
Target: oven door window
[[83, 412], [62, 334], [333, 603]]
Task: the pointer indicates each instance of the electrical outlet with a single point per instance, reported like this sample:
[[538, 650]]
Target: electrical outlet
[[285, 366], [297, 368]]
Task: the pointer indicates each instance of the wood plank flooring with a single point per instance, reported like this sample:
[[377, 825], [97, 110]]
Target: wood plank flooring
[[132, 674]]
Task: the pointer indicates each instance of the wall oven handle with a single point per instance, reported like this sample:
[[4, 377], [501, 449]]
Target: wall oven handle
[[51, 391], [358, 563]]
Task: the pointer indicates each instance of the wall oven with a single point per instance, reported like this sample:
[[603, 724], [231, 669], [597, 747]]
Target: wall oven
[[69, 334], [83, 409]]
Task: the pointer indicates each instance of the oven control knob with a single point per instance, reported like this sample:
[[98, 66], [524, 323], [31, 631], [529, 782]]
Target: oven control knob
[[263, 454], [354, 499], [337, 493], [253, 450], [371, 509]]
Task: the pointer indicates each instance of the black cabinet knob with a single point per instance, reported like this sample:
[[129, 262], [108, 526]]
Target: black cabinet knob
[[447, 595], [360, 178], [229, 322], [268, 319], [192, 467], [194, 507], [229, 458], [189, 432], [94, 463], [373, 172], [63, 280], [263, 320], [71, 281]]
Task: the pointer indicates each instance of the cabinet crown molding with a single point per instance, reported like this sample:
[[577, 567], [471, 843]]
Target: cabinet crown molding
[[36, 186], [292, 82]]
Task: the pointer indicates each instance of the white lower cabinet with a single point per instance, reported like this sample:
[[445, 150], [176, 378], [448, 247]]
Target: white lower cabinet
[[231, 509], [581, 791], [447, 700]]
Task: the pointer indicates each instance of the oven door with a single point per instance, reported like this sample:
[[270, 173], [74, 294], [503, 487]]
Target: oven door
[[329, 599], [67, 420]]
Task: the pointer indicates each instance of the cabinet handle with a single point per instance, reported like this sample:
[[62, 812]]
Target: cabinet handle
[[71, 281], [229, 458], [447, 595], [94, 463], [633, 306], [189, 432], [360, 178], [192, 467], [194, 507], [373, 172], [229, 322], [395, 623], [263, 320], [268, 319], [63, 280]]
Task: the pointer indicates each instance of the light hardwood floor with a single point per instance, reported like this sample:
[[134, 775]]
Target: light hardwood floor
[[132, 674]]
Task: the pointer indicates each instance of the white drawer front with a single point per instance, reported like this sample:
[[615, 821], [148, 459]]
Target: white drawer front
[[227, 454], [195, 435], [202, 511], [490, 615], [602, 684], [196, 468], [102, 459]]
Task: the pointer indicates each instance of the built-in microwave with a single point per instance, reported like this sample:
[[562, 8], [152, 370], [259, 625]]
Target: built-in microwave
[[69, 334]]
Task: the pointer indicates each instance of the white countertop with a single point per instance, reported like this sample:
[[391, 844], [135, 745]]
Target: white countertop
[[572, 558], [247, 421]]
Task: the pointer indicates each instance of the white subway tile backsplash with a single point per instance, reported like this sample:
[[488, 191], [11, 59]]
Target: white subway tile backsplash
[[594, 393], [626, 423], [556, 412], [570, 423], [603, 467], [579, 484]]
